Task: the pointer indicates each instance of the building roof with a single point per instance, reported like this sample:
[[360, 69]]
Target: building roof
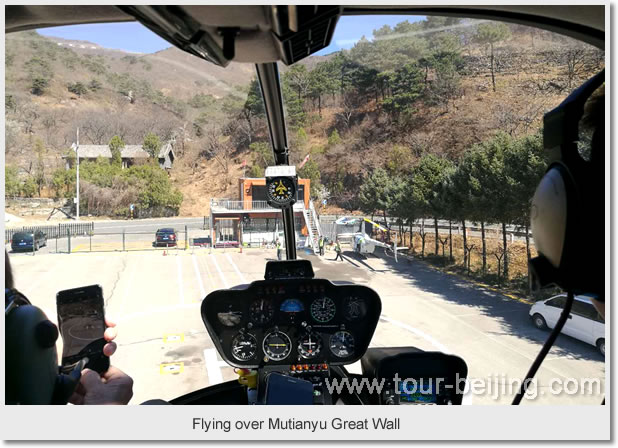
[[94, 151]]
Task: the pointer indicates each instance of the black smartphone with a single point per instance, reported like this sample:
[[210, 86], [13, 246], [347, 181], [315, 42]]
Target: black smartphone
[[284, 389], [81, 318]]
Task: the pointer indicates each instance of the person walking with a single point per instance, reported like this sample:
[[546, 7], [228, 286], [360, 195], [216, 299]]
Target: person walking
[[321, 245], [278, 249], [338, 251]]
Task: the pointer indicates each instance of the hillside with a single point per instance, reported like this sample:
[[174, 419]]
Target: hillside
[[383, 116]]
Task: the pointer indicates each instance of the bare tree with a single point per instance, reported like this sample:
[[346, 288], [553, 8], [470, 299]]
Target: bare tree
[[350, 103], [96, 127], [28, 115], [217, 146], [575, 60]]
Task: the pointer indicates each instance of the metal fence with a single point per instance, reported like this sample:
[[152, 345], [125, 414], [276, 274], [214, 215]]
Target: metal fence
[[62, 230]]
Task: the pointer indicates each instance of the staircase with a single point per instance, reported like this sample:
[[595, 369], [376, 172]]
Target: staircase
[[313, 226]]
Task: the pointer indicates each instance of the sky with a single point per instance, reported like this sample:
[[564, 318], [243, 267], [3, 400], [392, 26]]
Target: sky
[[133, 37]]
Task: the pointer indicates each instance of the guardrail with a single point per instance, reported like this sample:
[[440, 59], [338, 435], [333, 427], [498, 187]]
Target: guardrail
[[62, 230], [223, 205], [518, 231]]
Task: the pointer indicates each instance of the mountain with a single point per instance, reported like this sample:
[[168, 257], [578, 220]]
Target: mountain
[[448, 98]]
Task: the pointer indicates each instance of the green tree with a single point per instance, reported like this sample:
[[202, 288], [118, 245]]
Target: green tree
[[492, 191], [297, 78], [430, 172], [201, 100], [320, 82], [256, 171], [525, 163], [63, 181], [152, 145], [39, 169], [399, 159], [381, 192], [39, 73], [311, 171], [406, 88], [334, 138], [490, 34], [455, 196], [11, 181], [115, 146], [29, 188], [155, 187], [262, 155]]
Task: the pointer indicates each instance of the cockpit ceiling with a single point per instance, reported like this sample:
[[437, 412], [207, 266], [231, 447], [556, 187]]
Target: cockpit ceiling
[[265, 33]]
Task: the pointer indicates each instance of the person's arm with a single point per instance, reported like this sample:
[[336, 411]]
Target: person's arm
[[111, 387]]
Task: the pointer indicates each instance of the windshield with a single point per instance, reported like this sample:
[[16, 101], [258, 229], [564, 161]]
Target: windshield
[[418, 145]]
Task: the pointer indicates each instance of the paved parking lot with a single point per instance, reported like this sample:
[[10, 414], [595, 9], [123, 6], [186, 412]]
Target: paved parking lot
[[164, 346]]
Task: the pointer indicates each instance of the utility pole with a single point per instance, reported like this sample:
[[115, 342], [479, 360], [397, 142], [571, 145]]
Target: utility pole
[[75, 147]]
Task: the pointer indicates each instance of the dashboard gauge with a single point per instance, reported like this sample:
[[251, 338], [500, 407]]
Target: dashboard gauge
[[292, 306], [355, 308], [323, 310], [277, 345], [229, 316], [244, 346], [342, 344], [309, 345], [261, 311], [281, 190]]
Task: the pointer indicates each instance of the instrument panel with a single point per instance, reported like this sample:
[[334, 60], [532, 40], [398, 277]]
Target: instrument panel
[[283, 322]]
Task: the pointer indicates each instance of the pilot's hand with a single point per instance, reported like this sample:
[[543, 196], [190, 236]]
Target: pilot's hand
[[111, 387], [110, 334]]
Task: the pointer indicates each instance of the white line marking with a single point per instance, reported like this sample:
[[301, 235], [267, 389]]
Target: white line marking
[[181, 292], [214, 259], [199, 277], [223, 364], [212, 366], [417, 332], [242, 277]]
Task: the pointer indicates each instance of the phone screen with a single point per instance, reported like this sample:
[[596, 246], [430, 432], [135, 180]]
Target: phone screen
[[82, 324]]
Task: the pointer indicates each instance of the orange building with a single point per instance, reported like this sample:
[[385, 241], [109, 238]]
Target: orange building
[[249, 220]]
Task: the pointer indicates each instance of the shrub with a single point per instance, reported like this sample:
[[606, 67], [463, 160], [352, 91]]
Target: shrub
[[77, 88], [94, 85]]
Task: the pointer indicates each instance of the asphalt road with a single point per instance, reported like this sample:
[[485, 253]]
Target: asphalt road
[[164, 346]]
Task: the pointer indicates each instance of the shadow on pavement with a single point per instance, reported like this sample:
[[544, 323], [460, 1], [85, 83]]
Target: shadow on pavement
[[512, 315]]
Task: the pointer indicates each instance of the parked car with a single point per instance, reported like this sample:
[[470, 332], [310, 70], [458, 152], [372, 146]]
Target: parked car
[[166, 237], [23, 241], [584, 322]]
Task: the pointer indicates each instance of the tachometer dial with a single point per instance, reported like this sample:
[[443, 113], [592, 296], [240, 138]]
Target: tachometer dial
[[277, 345], [323, 310], [261, 311], [309, 345], [342, 344], [244, 346]]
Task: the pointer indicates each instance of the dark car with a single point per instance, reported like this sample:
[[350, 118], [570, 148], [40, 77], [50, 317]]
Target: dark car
[[23, 241], [165, 237]]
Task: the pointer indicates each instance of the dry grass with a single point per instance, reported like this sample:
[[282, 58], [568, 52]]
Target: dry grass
[[518, 260]]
